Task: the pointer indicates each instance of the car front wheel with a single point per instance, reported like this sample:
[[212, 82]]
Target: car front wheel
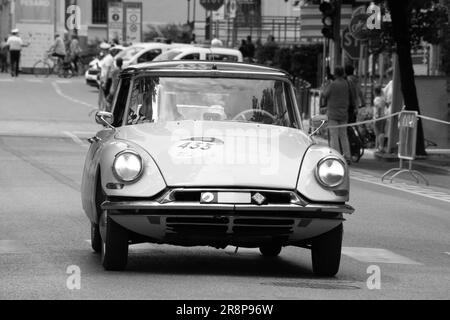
[[326, 252], [114, 244], [96, 240], [270, 250]]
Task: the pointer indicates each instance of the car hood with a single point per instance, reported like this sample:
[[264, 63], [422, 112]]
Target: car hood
[[222, 154]]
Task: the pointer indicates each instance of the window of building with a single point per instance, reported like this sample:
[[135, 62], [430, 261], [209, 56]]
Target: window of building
[[99, 11]]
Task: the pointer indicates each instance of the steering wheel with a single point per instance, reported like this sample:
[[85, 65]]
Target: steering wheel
[[241, 115]]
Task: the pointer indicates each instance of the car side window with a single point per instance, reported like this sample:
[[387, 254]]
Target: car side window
[[149, 55], [142, 101], [120, 101], [192, 56], [221, 57]]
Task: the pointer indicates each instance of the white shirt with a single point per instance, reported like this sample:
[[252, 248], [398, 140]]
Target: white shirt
[[387, 91], [14, 43], [105, 65]]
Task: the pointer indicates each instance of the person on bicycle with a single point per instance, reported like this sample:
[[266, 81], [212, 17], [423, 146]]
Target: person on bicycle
[[58, 49], [75, 52]]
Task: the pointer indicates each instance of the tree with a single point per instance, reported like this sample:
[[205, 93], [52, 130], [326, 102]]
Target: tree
[[411, 22]]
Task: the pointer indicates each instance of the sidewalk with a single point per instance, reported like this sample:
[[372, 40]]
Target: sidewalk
[[435, 168]]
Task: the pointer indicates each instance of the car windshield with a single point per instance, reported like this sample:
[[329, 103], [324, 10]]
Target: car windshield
[[129, 53], [168, 55], [155, 99]]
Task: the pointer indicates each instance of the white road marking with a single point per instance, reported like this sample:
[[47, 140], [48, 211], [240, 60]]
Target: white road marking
[[416, 190], [34, 80], [60, 93], [375, 255], [12, 246], [6, 80], [447, 253], [75, 139]]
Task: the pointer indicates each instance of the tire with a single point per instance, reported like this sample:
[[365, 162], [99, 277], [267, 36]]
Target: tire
[[326, 252], [41, 69], [96, 240], [114, 244], [270, 250]]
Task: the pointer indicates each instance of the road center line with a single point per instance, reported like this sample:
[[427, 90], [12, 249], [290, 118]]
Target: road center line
[[63, 95], [75, 139]]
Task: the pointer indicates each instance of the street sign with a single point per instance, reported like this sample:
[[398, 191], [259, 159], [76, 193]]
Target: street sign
[[350, 44], [232, 9], [115, 21], [133, 22], [212, 5]]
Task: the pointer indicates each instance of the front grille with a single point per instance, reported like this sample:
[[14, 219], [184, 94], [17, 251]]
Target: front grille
[[221, 226]]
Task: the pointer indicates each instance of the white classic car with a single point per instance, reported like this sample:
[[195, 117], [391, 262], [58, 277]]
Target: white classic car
[[212, 154]]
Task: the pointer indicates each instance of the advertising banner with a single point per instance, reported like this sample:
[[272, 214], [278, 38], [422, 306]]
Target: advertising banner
[[133, 25], [39, 38], [35, 11], [115, 21], [35, 21]]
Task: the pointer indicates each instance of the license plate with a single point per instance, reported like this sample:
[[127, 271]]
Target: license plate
[[226, 197]]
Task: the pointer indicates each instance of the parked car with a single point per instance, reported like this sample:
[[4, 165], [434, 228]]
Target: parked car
[[201, 53], [144, 52], [93, 72], [214, 154]]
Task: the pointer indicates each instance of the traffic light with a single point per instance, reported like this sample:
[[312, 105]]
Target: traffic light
[[329, 11]]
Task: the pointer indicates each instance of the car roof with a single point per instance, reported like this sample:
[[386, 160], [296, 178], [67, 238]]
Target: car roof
[[199, 65], [216, 50]]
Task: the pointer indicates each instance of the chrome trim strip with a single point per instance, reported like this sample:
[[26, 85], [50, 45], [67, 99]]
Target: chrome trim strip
[[146, 205]]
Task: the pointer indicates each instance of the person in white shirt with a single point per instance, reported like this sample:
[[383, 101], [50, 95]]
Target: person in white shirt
[[15, 45], [379, 111]]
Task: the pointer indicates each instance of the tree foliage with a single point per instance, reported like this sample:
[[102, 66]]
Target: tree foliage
[[428, 21]]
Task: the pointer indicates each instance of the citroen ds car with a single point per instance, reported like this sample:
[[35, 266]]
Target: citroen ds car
[[202, 153]]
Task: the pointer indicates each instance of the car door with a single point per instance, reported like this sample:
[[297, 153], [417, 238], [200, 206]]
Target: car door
[[93, 157]]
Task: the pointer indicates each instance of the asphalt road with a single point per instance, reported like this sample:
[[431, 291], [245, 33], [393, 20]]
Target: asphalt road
[[402, 234]]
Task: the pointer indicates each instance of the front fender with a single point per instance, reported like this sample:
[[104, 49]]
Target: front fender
[[309, 187], [150, 184]]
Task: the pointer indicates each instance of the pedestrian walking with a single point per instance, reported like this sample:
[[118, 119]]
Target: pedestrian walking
[[4, 56], [75, 52], [337, 97], [379, 111], [357, 93], [250, 49], [115, 82], [243, 48], [15, 45]]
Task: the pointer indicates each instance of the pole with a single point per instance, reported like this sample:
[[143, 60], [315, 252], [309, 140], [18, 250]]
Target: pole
[[337, 34], [188, 11], [55, 18]]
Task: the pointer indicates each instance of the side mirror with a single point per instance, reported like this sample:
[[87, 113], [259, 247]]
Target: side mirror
[[105, 119]]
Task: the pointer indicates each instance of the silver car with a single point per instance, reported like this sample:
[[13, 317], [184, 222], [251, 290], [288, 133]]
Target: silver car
[[199, 153]]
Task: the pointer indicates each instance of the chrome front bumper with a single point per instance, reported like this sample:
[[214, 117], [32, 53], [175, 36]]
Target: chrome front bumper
[[167, 205]]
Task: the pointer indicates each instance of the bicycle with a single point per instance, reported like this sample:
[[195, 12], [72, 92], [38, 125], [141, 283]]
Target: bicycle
[[52, 65]]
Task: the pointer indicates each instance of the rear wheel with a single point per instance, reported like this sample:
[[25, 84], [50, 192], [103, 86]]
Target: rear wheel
[[326, 252], [114, 244], [270, 250]]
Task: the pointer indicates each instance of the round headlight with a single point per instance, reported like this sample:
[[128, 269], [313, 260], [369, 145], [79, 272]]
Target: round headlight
[[128, 166], [330, 172]]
